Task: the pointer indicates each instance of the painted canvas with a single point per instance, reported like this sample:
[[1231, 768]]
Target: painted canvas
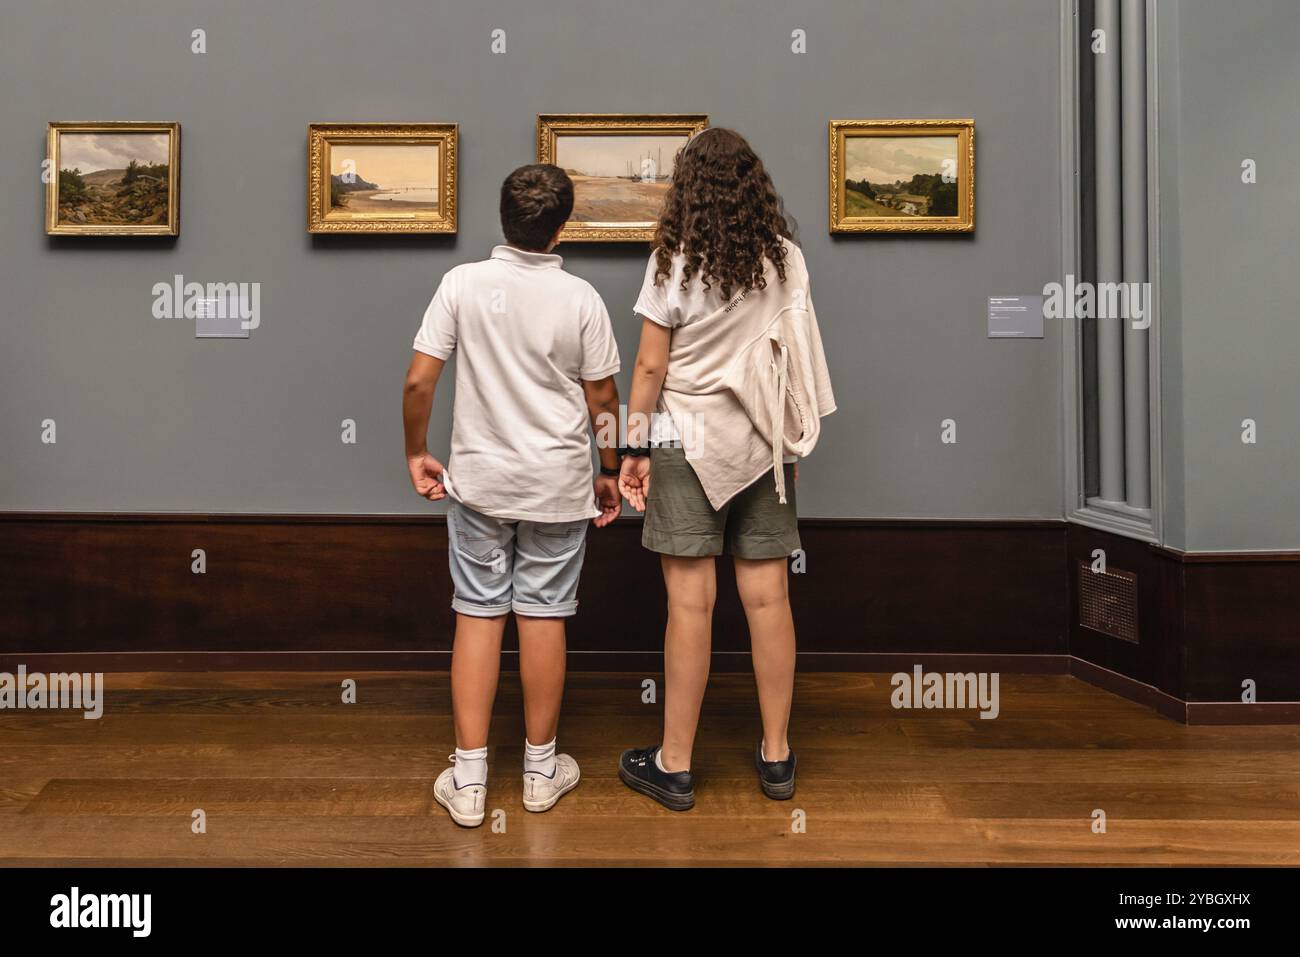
[[620, 165], [398, 178], [902, 175], [113, 179], [382, 178]]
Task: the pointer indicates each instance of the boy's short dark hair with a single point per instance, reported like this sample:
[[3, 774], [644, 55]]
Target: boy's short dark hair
[[535, 202]]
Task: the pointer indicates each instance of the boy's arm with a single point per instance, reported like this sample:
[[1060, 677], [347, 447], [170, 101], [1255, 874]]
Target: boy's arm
[[417, 403], [602, 407]]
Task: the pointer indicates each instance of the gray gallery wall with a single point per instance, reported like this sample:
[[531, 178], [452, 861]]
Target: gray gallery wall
[[149, 419], [1230, 90]]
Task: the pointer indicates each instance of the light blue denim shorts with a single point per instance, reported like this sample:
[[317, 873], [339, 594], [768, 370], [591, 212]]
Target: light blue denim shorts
[[499, 566]]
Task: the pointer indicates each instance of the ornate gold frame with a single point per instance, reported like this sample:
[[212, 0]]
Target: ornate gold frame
[[52, 225], [611, 124], [320, 137], [963, 222]]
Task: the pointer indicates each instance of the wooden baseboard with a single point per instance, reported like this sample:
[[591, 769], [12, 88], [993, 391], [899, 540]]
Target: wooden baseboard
[[651, 663], [1186, 712], [1237, 712], [597, 661], [1130, 688]]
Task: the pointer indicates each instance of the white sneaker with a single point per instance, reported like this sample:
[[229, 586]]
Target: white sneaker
[[465, 805], [541, 792]]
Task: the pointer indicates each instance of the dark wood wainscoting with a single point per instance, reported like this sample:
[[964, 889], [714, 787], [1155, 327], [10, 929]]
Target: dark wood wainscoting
[[322, 586], [1207, 622], [1241, 620], [1155, 658]]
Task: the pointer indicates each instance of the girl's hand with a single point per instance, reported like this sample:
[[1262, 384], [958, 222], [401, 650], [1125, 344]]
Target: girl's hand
[[634, 480]]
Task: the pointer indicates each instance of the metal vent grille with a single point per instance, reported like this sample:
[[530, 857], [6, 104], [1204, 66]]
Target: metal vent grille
[[1108, 602]]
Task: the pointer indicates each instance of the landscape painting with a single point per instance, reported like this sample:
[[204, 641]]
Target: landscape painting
[[113, 179], [382, 178], [902, 176], [620, 165], [617, 179]]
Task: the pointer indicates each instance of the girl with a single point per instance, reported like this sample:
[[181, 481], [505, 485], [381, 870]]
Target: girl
[[731, 366]]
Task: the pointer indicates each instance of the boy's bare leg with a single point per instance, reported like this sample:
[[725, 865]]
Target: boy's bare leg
[[541, 672], [764, 591], [475, 667], [688, 641]]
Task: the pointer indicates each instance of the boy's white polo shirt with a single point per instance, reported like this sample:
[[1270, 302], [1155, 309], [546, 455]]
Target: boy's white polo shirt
[[525, 332]]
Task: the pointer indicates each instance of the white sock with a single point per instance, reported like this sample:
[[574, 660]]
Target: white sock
[[470, 767], [659, 762], [762, 753], [539, 758]]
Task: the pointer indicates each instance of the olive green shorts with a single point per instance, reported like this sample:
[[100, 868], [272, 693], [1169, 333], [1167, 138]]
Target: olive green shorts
[[680, 521]]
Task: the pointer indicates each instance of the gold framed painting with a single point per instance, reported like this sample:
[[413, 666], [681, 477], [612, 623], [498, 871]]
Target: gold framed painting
[[902, 176], [620, 164], [381, 177], [113, 178]]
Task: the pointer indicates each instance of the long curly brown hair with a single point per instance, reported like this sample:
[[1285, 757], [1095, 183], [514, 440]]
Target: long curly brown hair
[[723, 214]]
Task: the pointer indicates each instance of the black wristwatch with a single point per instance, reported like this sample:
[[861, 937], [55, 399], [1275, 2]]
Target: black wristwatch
[[634, 450], [612, 473]]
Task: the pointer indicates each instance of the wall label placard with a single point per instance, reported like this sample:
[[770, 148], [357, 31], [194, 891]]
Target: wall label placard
[[1016, 317], [216, 319]]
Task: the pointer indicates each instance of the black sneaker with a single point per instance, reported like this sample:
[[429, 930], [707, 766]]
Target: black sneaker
[[776, 778], [675, 790]]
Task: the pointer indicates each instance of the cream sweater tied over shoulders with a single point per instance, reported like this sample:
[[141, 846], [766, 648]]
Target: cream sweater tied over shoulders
[[747, 382]]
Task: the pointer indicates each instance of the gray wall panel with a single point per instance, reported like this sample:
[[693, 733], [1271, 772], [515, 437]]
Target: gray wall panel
[[1232, 273], [150, 419]]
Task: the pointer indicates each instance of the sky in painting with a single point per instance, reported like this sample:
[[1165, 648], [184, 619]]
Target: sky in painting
[[90, 152], [884, 159], [609, 155], [394, 166]]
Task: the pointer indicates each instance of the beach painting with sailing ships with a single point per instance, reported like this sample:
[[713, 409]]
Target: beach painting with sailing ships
[[620, 167]]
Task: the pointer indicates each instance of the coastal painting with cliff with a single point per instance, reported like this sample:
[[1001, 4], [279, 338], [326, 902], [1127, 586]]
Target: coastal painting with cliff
[[398, 180], [113, 179]]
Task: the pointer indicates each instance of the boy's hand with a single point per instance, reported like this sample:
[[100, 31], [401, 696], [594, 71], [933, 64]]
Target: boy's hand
[[426, 476], [634, 480], [607, 500]]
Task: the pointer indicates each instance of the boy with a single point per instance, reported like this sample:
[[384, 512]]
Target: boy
[[536, 360]]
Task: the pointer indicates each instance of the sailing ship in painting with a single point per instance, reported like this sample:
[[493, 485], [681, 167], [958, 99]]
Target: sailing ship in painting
[[618, 178]]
